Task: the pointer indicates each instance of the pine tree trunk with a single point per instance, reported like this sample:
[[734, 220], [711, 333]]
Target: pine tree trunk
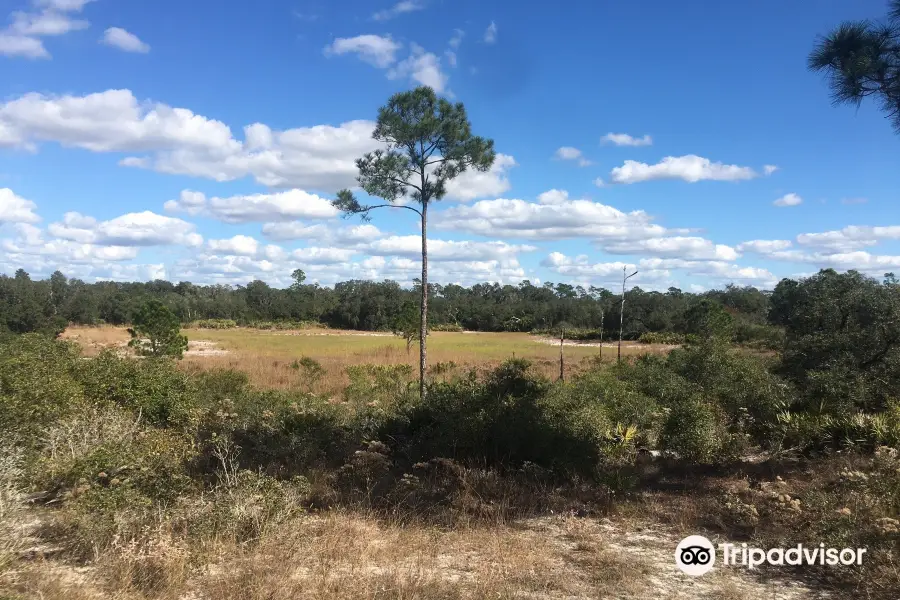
[[423, 331]]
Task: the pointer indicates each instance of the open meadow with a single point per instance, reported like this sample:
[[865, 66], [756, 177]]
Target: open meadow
[[267, 356]]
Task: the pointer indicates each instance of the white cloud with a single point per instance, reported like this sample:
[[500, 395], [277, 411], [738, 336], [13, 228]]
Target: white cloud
[[379, 51], [46, 23], [769, 169], [281, 206], [788, 200], [654, 270], [30, 243], [402, 7], [553, 197], [15, 209], [839, 249], [474, 184], [124, 40], [690, 168], [181, 142], [243, 245], [423, 68], [764, 246], [719, 269], [63, 5], [23, 36], [456, 40], [443, 250], [623, 139], [849, 238], [690, 248], [490, 34], [20, 45], [296, 230], [190, 202], [323, 256], [554, 217], [570, 153], [132, 229]]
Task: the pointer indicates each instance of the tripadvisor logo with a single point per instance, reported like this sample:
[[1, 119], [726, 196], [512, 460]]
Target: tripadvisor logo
[[696, 555]]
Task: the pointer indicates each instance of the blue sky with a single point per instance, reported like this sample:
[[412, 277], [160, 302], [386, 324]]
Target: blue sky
[[202, 141]]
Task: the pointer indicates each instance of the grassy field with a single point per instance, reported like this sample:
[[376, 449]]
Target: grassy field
[[267, 356]]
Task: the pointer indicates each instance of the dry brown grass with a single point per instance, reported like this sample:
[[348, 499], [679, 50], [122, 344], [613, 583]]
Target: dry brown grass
[[266, 356], [343, 556]]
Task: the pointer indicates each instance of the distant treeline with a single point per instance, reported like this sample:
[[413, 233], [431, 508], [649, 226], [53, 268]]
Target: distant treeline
[[34, 305], [28, 305]]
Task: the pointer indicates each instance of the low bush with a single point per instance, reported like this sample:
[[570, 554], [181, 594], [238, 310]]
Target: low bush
[[695, 431], [37, 386], [451, 327], [153, 388], [664, 337], [213, 324]]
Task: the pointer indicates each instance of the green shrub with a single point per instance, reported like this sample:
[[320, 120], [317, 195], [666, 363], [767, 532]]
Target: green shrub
[[213, 324], [694, 431], [313, 371], [153, 388], [665, 337], [216, 385], [619, 401], [382, 385], [451, 327], [37, 385], [741, 384], [507, 418]]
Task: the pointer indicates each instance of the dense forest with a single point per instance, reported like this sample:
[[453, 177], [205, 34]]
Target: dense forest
[[29, 305]]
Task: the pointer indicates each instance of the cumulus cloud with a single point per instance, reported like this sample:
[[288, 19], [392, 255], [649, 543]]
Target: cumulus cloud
[[321, 157], [764, 246], [402, 7], [190, 202], [30, 243], [654, 270], [243, 245], [573, 154], [769, 169], [297, 230], [788, 200], [281, 206], [443, 250], [15, 209], [124, 40], [690, 168], [691, 248], [839, 249], [421, 67], [555, 216], [623, 139], [23, 36], [473, 184], [379, 51], [132, 229]]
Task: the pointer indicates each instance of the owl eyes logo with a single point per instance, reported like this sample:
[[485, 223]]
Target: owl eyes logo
[[695, 555]]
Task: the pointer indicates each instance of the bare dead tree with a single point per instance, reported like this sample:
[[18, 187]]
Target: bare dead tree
[[622, 310]]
